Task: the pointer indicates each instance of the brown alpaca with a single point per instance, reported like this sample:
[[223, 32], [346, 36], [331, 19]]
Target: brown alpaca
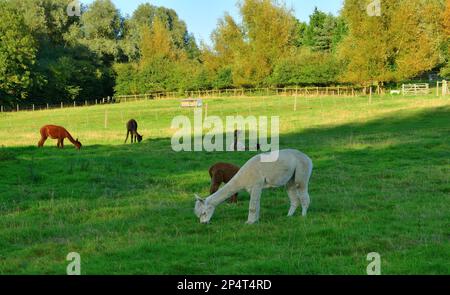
[[222, 173], [59, 133], [132, 128]]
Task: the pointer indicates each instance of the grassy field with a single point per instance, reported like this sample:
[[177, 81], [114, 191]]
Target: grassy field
[[380, 184]]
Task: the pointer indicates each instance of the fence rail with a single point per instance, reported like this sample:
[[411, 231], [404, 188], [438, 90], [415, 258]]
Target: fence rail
[[443, 88], [238, 92], [235, 92]]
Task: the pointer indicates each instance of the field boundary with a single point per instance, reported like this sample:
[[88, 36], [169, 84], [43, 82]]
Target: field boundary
[[311, 91]]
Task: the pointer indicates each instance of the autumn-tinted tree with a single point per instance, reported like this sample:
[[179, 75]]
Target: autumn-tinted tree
[[445, 72], [401, 43]]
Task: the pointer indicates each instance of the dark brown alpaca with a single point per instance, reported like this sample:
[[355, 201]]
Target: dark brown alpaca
[[57, 132], [222, 173], [235, 142], [132, 129]]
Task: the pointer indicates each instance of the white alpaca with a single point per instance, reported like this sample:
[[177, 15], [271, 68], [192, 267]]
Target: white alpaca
[[292, 168]]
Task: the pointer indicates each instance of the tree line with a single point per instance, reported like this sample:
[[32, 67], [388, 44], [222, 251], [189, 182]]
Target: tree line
[[47, 56]]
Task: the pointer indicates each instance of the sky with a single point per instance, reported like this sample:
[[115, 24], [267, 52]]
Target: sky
[[201, 16]]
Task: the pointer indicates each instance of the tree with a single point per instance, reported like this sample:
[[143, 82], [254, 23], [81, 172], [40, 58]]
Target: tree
[[324, 31], [402, 43], [101, 30], [306, 67], [270, 30], [156, 42], [144, 16], [445, 71], [251, 49], [18, 50]]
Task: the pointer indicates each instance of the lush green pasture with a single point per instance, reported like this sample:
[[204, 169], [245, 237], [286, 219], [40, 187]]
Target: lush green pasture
[[380, 184]]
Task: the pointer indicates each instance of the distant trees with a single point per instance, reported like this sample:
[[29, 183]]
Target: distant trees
[[306, 67], [401, 43], [250, 50], [47, 56], [445, 71], [17, 55], [324, 31]]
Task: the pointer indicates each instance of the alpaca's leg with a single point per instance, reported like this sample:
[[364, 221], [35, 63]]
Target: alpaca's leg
[[62, 143], [234, 198], [42, 141], [293, 197], [58, 144], [304, 199], [255, 198], [128, 133]]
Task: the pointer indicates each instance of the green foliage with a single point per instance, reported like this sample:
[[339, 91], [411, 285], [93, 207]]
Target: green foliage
[[17, 54], [224, 79], [306, 68], [324, 31], [47, 56]]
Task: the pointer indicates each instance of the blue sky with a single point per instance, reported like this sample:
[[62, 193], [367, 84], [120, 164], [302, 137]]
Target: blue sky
[[201, 15]]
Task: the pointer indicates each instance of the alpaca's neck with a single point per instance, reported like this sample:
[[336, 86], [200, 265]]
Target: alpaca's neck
[[70, 138], [224, 193]]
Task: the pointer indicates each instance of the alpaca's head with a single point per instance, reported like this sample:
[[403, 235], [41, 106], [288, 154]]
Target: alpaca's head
[[203, 210], [77, 144], [139, 138]]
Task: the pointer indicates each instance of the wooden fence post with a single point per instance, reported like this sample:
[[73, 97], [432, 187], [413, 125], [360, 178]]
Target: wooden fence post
[[2, 109], [18, 107], [33, 107], [47, 106], [74, 103], [61, 104]]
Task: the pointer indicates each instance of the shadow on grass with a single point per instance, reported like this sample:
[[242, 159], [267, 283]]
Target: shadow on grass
[[377, 185], [29, 173]]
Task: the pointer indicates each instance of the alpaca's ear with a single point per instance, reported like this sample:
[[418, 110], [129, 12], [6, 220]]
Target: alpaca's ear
[[77, 139], [197, 197]]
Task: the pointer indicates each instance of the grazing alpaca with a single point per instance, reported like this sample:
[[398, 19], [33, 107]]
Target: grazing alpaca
[[57, 132], [222, 173], [292, 168], [238, 146], [132, 128]]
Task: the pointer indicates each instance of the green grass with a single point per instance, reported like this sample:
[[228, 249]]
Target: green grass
[[380, 184]]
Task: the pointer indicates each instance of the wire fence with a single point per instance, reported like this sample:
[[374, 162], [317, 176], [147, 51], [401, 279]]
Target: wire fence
[[317, 91]]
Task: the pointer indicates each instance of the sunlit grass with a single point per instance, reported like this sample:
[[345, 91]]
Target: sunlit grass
[[380, 184]]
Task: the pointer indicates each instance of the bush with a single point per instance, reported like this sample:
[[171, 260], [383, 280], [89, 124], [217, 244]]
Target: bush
[[306, 68]]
